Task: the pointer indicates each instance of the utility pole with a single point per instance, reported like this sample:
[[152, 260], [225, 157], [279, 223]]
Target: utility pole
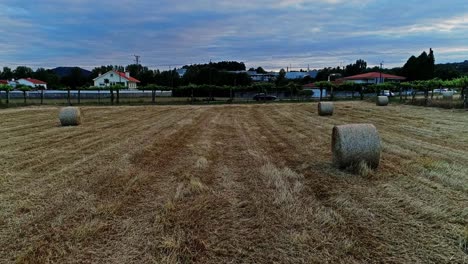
[[381, 67], [137, 59], [172, 76], [137, 62]]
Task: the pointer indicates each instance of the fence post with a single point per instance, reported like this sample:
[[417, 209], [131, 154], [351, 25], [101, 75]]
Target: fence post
[[68, 96], [112, 95], [401, 95], [118, 96], [465, 97], [79, 95]]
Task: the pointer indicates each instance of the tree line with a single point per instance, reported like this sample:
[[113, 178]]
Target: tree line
[[232, 73]]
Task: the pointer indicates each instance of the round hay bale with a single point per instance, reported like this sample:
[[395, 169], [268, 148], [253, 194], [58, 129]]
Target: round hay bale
[[70, 116], [325, 108], [447, 95], [354, 144], [382, 100]]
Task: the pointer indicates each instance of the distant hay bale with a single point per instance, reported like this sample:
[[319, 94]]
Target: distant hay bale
[[354, 144], [325, 108], [70, 116], [382, 100], [447, 95]]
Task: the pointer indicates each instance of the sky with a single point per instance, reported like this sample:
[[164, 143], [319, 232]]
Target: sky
[[273, 34]]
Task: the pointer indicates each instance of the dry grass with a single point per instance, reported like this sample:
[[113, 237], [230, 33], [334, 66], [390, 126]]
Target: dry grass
[[241, 184]]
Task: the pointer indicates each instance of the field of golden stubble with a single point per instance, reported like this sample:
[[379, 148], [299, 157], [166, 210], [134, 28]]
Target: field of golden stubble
[[232, 183]]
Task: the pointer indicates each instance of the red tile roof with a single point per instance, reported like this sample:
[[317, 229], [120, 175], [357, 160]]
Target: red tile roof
[[34, 81], [374, 75], [122, 74]]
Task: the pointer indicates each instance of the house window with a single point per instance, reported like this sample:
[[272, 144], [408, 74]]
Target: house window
[[112, 75]]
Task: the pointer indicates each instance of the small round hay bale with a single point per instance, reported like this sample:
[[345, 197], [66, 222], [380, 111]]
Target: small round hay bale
[[70, 116], [354, 144], [447, 95], [382, 100], [325, 108]]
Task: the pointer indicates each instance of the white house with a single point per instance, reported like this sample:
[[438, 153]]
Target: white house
[[32, 83], [111, 78]]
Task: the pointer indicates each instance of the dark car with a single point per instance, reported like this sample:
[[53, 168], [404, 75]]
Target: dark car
[[264, 97]]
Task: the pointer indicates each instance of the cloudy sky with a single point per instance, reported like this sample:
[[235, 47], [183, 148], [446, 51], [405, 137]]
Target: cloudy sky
[[269, 33]]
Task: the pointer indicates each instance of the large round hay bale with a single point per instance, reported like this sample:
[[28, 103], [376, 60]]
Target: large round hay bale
[[70, 116], [356, 143], [447, 95], [325, 108], [382, 100]]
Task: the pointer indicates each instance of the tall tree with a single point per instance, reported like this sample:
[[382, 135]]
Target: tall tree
[[281, 80], [41, 74], [353, 69], [135, 69], [420, 68], [260, 70], [22, 72], [431, 65], [7, 74]]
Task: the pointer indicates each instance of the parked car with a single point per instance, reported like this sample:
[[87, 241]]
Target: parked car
[[440, 90], [264, 97], [388, 93]]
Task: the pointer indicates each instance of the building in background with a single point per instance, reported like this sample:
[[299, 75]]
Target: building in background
[[34, 83], [263, 77], [295, 75], [112, 78], [374, 78]]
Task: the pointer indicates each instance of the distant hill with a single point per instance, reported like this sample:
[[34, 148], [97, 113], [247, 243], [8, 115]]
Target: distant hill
[[66, 71], [447, 71], [456, 64]]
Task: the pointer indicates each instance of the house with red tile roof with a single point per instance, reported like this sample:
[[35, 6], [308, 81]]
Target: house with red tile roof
[[111, 78], [373, 77], [35, 83]]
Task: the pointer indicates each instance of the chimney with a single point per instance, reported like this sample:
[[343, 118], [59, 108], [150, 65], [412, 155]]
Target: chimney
[[127, 74], [99, 74]]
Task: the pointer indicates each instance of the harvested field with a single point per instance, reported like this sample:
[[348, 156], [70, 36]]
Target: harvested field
[[240, 184]]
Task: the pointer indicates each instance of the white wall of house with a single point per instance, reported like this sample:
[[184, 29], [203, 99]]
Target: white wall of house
[[30, 84], [131, 85], [114, 79]]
